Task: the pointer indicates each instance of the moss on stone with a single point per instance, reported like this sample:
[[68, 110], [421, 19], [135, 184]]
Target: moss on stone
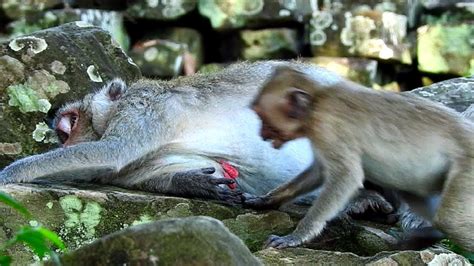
[[26, 99]]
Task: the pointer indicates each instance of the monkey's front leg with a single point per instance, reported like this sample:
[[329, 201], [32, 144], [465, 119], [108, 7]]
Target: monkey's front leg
[[84, 160], [343, 182], [305, 182]]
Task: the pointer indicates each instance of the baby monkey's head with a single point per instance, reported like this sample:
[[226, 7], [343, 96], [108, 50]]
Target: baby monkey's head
[[283, 105]]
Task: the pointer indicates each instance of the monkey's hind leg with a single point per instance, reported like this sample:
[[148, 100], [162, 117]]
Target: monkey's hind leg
[[455, 215], [198, 183]]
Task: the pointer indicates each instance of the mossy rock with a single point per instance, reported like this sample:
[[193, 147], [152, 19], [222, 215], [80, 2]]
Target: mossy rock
[[303, 256], [41, 71], [188, 241]]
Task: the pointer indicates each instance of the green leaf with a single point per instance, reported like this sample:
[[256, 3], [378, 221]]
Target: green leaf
[[5, 260], [52, 237], [33, 239], [37, 238], [9, 201]]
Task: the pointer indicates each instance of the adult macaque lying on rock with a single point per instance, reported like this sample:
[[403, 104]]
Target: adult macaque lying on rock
[[397, 141], [192, 136]]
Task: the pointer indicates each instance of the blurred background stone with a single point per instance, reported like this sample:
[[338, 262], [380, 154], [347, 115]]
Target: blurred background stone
[[111, 21], [373, 29], [229, 14], [160, 9], [269, 44], [359, 70]]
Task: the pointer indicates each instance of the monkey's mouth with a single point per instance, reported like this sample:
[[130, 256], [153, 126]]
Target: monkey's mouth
[[270, 133], [65, 125]]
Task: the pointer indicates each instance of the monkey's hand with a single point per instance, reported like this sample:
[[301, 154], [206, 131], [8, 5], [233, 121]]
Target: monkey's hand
[[280, 242], [369, 200], [259, 202], [201, 183]]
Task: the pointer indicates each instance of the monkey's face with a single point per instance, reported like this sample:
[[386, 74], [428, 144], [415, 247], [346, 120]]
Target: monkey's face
[[277, 122], [73, 125]]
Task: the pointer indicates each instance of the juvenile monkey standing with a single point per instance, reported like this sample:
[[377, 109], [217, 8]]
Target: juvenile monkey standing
[[397, 141]]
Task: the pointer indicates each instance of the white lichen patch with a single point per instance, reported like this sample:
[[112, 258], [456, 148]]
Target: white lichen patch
[[10, 148], [449, 259], [35, 45], [43, 133], [152, 3], [130, 61], [145, 218], [83, 24], [50, 205], [57, 67], [33, 223], [284, 13], [93, 74], [150, 54], [251, 8], [81, 218]]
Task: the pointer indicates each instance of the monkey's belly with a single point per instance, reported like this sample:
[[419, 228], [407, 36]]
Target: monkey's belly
[[420, 177], [238, 141]]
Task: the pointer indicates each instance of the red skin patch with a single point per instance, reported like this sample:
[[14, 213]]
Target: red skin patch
[[230, 172]]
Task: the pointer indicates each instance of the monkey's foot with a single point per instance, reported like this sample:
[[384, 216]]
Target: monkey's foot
[[258, 202], [369, 200], [280, 242], [201, 183]]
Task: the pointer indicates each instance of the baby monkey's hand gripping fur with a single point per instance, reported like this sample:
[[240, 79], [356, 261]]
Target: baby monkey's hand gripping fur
[[397, 141]]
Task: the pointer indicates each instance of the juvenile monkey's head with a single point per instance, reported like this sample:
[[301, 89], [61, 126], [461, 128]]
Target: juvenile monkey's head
[[87, 119], [283, 105]]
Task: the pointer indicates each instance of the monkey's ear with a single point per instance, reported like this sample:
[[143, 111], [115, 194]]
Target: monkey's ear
[[298, 103], [116, 89]]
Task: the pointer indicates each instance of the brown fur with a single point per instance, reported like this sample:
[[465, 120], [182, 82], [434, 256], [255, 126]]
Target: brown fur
[[397, 141]]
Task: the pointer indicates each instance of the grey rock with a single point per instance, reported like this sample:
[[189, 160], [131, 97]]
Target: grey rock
[[456, 93], [43, 70], [302, 256], [188, 241]]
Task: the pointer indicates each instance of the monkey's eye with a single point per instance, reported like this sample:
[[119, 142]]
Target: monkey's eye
[[73, 120]]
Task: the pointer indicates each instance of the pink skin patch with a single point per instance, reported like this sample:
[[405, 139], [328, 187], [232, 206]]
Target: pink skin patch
[[230, 172]]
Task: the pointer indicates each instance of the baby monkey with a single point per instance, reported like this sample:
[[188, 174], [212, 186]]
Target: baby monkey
[[397, 141]]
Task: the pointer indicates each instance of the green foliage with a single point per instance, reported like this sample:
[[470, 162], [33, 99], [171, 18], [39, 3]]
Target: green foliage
[[6, 199], [37, 238]]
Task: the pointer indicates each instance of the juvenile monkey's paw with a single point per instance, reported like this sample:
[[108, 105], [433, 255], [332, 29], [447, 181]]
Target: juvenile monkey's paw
[[369, 200], [257, 202], [280, 242]]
